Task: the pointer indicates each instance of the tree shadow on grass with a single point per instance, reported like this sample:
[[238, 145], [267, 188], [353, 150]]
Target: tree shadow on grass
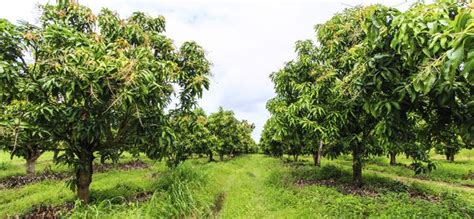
[[374, 185]]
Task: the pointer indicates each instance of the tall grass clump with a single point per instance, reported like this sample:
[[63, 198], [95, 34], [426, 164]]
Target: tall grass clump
[[177, 193]]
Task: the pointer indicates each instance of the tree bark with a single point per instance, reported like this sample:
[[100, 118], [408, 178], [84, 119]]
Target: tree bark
[[450, 157], [320, 152], [295, 157], [450, 154], [30, 165], [211, 158], [315, 159], [356, 168], [393, 158], [221, 157], [84, 175]]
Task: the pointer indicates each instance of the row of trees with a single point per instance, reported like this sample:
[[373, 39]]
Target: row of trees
[[220, 134], [89, 86], [379, 81]]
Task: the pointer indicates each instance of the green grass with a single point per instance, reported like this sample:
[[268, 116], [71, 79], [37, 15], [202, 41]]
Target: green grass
[[456, 172], [16, 166], [256, 186]]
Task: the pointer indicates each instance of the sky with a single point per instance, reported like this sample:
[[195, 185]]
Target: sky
[[246, 40]]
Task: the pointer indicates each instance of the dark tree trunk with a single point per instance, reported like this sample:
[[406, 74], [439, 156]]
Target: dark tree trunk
[[84, 175], [295, 157], [315, 159], [211, 158], [221, 157], [393, 158], [356, 168], [450, 154], [450, 157]]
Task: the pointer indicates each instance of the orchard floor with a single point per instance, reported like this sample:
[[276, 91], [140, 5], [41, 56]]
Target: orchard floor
[[250, 186]]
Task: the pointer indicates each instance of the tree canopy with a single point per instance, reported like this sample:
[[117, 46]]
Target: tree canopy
[[99, 84], [379, 81]]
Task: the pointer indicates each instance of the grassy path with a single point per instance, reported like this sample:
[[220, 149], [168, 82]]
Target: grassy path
[[246, 191]]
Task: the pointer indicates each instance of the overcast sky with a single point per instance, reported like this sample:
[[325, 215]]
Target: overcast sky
[[246, 40]]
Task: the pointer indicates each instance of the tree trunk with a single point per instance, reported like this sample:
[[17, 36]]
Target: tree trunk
[[295, 157], [30, 165], [84, 175], [31, 158], [320, 151], [450, 157], [211, 158], [315, 158], [356, 168], [393, 158], [221, 157]]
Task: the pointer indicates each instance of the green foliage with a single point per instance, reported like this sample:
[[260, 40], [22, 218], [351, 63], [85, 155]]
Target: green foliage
[[192, 136], [233, 136], [379, 81], [194, 133], [270, 143], [20, 135], [98, 84]]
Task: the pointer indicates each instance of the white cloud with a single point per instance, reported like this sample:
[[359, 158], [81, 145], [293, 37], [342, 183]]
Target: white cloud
[[246, 40]]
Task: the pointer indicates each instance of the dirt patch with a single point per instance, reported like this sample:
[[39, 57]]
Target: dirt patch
[[131, 165], [141, 197], [48, 211], [424, 196], [156, 175], [468, 185], [347, 189], [219, 202], [18, 181], [470, 175], [365, 191]]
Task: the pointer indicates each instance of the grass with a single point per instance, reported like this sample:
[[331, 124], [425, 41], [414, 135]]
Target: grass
[[16, 166], [459, 172], [256, 186]]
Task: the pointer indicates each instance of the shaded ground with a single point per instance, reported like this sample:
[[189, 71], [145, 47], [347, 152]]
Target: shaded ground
[[21, 180]]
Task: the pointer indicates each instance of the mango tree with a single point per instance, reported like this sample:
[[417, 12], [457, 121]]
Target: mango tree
[[191, 136], [246, 144], [233, 136], [270, 142], [101, 83], [21, 135]]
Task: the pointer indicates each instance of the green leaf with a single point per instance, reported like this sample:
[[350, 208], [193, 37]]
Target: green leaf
[[456, 54], [427, 52]]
